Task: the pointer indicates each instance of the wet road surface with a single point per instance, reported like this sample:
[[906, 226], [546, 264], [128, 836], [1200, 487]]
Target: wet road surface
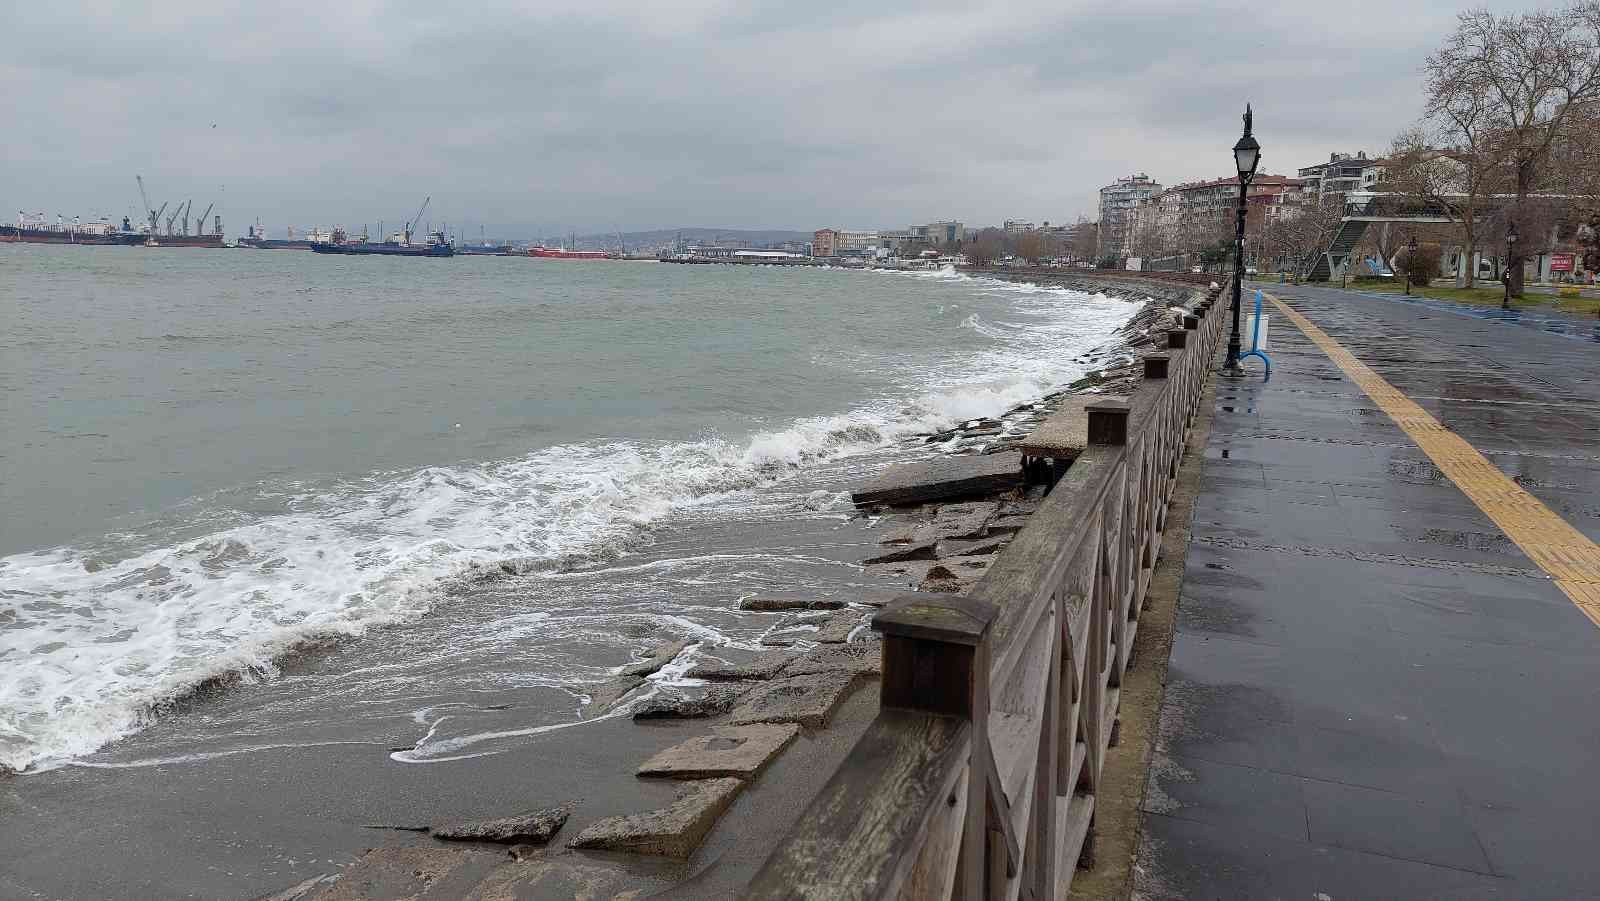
[[1377, 686]]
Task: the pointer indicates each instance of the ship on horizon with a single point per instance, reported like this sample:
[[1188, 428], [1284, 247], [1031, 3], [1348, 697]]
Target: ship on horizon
[[256, 237], [399, 243], [102, 233]]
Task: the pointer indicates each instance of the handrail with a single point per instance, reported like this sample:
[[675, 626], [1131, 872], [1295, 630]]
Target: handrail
[[977, 779]]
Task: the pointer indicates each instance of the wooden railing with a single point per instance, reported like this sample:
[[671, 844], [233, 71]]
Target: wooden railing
[[977, 779]]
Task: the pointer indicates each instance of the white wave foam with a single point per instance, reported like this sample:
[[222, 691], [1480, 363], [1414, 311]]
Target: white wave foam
[[103, 636]]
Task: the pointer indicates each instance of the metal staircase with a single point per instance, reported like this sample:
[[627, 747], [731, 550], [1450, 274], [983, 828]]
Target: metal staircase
[[1320, 267]]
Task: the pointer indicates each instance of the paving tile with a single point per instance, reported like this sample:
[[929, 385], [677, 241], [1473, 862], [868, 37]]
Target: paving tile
[[1226, 796], [1356, 637], [1191, 860], [1394, 825]]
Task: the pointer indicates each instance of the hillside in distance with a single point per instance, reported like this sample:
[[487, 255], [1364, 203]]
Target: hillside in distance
[[649, 240]]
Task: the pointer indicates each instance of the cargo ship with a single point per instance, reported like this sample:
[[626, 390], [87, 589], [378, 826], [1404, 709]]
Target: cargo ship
[[99, 233], [148, 239], [398, 245], [256, 237], [561, 253], [36, 231]]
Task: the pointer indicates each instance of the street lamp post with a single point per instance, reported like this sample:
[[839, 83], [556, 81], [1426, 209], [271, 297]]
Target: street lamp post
[[1246, 156], [1411, 254], [1511, 241]]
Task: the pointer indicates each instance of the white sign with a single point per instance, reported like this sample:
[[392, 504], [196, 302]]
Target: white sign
[[1260, 337]]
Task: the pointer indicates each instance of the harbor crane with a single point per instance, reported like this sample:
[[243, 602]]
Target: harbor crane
[[417, 218], [186, 211], [174, 217], [149, 210], [155, 216], [200, 224]]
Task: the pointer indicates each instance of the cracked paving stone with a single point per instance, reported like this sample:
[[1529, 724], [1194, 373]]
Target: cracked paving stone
[[738, 751]]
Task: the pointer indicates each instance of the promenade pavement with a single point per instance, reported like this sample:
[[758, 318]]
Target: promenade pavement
[[1385, 679]]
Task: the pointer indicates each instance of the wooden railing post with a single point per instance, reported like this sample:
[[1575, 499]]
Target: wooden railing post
[[936, 659], [1177, 338]]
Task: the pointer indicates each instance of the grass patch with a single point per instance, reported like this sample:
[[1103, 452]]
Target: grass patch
[[1486, 297]]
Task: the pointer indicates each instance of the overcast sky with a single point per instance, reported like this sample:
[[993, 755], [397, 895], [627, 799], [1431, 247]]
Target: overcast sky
[[634, 115]]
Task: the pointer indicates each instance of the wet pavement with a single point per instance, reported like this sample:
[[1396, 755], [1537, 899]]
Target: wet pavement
[[1373, 691]]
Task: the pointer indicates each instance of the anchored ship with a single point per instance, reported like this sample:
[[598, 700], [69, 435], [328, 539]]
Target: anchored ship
[[35, 230], [256, 237], [561, 253], [399, 244]]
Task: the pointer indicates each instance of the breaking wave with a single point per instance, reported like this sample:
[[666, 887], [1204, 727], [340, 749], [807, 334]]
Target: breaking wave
[[97, 639]]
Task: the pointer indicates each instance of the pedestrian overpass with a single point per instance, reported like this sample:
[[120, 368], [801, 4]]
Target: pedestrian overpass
[[1362, 209]]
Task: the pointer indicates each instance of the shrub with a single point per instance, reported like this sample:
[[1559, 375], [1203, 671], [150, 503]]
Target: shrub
[[1422, 266]]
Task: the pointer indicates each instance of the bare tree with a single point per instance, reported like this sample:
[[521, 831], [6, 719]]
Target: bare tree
[[1085, 241], [1453, 172], [985, 247], [1031, 246], [1525, 74], [1296, 237]]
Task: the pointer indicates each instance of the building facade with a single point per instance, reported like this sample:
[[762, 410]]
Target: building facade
[[1190, 218], [1343, 173], [1119, 202], [822, 242], [947, 233]]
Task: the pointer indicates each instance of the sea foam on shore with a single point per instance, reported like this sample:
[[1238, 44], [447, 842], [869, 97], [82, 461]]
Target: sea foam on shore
[[95, 638]]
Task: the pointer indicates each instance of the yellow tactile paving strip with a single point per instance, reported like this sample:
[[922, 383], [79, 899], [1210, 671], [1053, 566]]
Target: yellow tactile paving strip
[[1549, 541]]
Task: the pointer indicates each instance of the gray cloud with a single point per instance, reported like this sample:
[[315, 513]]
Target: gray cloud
[[619, 115]]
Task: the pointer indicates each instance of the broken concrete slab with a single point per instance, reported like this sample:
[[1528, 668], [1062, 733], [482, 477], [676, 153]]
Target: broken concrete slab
[[837, 628], [922, 550], [1011, 523], [1065, 433], [807, 700], [862, 658], [910, 572], [774, 605], [422, 873], [673, 831], [763, 666], [942, 478], [547, 873], [714, 701], [658, 658], [961, 547], [534, 828], [738, 751], [954, 575], [969, 520], [604, 696]]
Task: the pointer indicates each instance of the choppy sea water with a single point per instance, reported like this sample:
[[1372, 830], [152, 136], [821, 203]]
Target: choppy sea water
[[474, 486]]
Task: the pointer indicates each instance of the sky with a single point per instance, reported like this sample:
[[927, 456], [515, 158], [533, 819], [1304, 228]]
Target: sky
[[544, 117]]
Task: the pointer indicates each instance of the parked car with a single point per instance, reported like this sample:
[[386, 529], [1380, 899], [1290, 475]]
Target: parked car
[[1195, 269], [1249, 270]]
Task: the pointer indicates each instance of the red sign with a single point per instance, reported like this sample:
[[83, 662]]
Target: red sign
[[1560, 262]]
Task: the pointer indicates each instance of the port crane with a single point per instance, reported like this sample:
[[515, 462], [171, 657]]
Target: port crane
[[200, 224], [149, 210], [417, 218], [155, 216], [174, 217]]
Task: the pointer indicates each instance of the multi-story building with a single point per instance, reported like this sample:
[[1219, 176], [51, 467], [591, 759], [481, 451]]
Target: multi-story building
[[1189, 217], [939, 234], [1118, 201], [1343, 173], [823, 242], [855, 243]]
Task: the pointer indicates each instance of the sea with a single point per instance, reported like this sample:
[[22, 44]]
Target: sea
[[266, 499]]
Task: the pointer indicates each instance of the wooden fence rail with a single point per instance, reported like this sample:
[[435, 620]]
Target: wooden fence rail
[[977, 779]]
